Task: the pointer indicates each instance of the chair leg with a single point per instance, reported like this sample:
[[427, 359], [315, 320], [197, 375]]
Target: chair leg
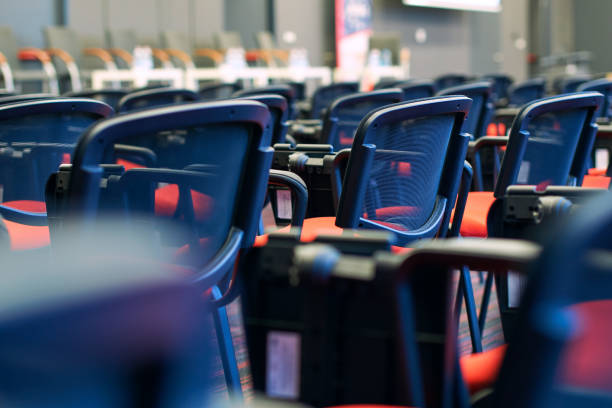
[[470, 305], [226, 348], [484, 305]]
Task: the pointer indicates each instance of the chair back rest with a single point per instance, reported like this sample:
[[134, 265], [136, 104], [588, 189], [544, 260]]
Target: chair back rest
[[448, 80], [323, 96], [156, 97], [604, 87], [525, 92], [482, 106], [8, 46], [286, 91], [500, 85], [108, 96], [227, 39], [279, 114], [218, 151], [345, 113], [175, 40], [66, 39], [550, 141], [571, 84], [405, 166], [218, 91], [37, 136], [417, 89], [122, 39]]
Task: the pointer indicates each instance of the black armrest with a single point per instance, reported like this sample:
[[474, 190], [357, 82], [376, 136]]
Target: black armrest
[[144, 156], [299, 193], [466, 181], [475, 146]]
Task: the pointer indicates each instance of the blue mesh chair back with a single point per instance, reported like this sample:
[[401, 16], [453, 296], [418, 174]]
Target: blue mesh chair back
[[482, 106], [213, 189], [5, 100], [500, 85], [100, 334], [155, 97], [388, 83], [446, 81], [286, 91], [345, 113], [323, 96], [108, 96], [417, 89], [404, 169], [526, 92], [571, 84], [36, 137], [218, 91], [550, 142], [604, 87], [278, 114]]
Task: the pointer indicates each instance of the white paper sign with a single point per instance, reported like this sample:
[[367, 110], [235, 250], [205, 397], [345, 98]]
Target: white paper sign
[[283, 204], [283, 365]]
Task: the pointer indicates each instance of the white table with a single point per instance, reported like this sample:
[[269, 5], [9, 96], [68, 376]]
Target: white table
[[138, 78]]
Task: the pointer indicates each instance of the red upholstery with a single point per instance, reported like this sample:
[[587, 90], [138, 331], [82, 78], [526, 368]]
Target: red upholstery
[[474, 223], [586, 361], [597, 172], [128, 165], [166, 201], [26, 236], [480, 370], [596, 181], [398, 211]]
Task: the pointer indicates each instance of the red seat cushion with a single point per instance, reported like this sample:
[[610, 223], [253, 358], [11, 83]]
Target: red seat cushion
[[128, 165], [586, 361], [167, 197], [480, 369], [596, 181], [597, 172], [27, 236], [474, 223]]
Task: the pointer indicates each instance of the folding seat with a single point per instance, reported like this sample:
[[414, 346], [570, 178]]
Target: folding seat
[[548, 144], [218, 91], [603, 86], [501, 84], [123, 332], [70, 59], [325, 95], [403, 172], [155, 97], [36, 137], [448, 80], [527, 91], [284, 90], [15, 60], [108, 96], [478, 119]]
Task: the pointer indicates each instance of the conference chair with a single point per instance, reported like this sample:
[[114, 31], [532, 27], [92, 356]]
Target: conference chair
[[121, 43], [500, 85], [100, 327], [572, 83], [271, 53], [603, 86], [549, 144], [108, 96], [478, 118], [417, 89], [13, 59], [218, 91], [527, 91], [178, 47], [70, 59], [155, 97], [279, 113], [323, 96], [448, 80], [284, 90], [36, 137]]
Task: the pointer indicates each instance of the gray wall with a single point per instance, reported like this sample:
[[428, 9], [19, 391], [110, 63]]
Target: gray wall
[[593, 31], [27, 17], [247, 17], [198, 19]]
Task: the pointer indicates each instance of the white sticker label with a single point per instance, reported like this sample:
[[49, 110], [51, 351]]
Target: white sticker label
[[602, 158], [516, 286], [283, 204], [283, 365], [523, 175]]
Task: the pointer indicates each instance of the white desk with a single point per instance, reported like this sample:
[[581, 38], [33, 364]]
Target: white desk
[[138, 78]]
